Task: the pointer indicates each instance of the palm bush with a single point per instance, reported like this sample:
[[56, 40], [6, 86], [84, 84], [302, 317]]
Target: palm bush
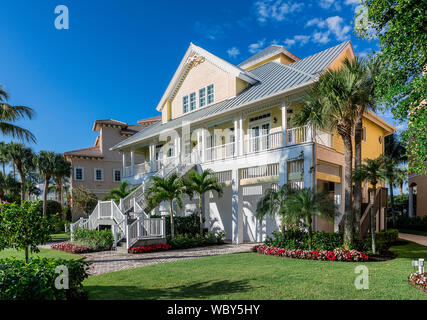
[[119, 193]]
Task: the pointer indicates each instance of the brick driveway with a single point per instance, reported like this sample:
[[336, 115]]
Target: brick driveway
[[109, 261]]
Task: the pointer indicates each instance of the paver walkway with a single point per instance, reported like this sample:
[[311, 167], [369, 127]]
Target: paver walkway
[[109, 261], [414, 238]]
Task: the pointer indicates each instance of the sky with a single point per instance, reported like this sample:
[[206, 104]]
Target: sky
[[117, 57]]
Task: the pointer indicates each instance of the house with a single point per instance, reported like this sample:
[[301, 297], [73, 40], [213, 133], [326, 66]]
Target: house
[[97, 168], [237, 121]]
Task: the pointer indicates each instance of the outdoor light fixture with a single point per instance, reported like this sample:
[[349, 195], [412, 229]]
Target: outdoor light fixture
[[275, 120], [419, 264]]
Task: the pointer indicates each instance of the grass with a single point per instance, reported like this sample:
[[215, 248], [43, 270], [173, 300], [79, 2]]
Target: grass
[[416, 232], [60, 237], [255, 276], [46, 253]]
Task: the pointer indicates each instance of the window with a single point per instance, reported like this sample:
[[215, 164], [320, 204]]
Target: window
[[192, 101], [202, 97], [185, 104], [117, 175], [98, 174], [210, 93], [78, 173], [364, 134]]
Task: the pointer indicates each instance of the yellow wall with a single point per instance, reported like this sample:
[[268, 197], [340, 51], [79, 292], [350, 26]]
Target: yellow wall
[[347, 53], [279, 58], [276, 112]]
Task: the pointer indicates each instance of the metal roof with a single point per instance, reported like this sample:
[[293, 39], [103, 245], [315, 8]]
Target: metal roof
[[274, 78]]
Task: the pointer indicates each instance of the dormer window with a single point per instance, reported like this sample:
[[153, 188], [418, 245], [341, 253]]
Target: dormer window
[[210, 94], [192, 101], [185, 104], [202, 97]]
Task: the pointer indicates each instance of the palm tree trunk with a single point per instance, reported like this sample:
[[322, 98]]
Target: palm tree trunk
[[171, 215], [26, 255], [358, 185], [22, 175], [45, 192], [401, 188], [373, 224], [348, 197], [201, 214], [393, 216]]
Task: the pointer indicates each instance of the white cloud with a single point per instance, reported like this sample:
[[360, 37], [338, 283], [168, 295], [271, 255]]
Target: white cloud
[[321, 37], [233, 52], [255, 47], [298, 39], [316, 22], [351, 2], [275, 10], [335, 26], [327, 4]]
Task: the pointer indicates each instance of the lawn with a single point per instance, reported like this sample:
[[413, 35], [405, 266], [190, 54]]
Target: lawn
[[255, 276], [46, 253], [416, 232], [60, 237]]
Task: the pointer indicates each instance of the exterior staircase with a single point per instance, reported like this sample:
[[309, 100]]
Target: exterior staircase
[[130, 223]]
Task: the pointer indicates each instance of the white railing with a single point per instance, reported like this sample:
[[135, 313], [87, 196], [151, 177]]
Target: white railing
[[324, 138], [260, 171], [298, 135], [220, 152], [128, 171], [264, 142], [142, 168], [143, 228]]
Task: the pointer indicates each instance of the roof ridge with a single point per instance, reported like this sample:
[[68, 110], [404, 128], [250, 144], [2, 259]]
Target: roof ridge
[[294, 69]]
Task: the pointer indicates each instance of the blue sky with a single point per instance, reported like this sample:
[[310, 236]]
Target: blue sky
[[117, 57]]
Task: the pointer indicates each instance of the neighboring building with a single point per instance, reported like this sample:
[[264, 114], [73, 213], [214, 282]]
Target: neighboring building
[[417, 185], [237, 121], [97, 168]]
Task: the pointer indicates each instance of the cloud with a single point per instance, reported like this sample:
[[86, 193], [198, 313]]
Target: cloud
[[335, 26], [327, 4], [321, 37], [275, 10], [298, 39], [315, 22], [352, 2], [233, 52], [255, 47]]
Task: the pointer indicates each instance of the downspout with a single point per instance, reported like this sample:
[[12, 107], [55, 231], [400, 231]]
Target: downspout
[[314, 165]]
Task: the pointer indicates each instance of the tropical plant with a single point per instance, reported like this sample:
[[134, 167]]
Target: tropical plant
[[395, 149], [46, 167], [332, 103], [60, 174], [165, 189], [84, 199], [23, 158], [390, 174], [119, 193], [401, 178], [10, 114], [23, 227], [8, 185], [199, 184], [4, 156], [371, 172]]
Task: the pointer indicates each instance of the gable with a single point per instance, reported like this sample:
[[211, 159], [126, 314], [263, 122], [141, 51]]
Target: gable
[[279, 58]]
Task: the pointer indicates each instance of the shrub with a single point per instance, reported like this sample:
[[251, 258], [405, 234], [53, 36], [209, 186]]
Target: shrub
[[183, 225], [97, 240], [385, 239], [412, 223], [150, 248], [36, 280], [327, 255], [189, 241]]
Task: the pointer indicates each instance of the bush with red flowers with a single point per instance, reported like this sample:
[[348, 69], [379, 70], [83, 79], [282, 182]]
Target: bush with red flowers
[[418, 280], [71, 248], [326, 255], [150, 248]]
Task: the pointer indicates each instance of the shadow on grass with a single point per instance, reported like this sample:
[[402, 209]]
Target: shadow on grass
[[201, 290]]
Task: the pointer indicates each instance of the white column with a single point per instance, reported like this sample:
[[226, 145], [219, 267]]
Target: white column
[[284, 123], [241, 136], [308, 163], [411, 202], [283, 172], [203, 144], [124, 163], [236, 136], [235, 206], [199, 145], [132, 161]]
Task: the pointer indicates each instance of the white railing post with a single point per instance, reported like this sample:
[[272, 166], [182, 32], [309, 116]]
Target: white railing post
[[112, 208], [127, 237], [99, 209], [113, 229], [163, 227], [121, 204], [138, 227]]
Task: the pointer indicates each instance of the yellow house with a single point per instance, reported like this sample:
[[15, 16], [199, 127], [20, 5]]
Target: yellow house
[[237, 121]]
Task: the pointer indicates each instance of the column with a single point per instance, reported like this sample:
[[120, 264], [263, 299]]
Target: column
[[132, 161], [236, 135], [151, 154], [411, 202], [241, 136], [308, 163], [284, 123], [124, 163], [199, 145], [235, 206], [283, 172], [203, 146]]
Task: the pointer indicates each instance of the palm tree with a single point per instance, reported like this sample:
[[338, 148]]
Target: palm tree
[[331, 103], [119, 193], [165, 189], [60, 173], [8, 184], [23, 158], [390, 173], [10, 114], [395, 149], [401, 178], [199, 184], [46, 167], [305, 203], [371, 172], [4, 156]]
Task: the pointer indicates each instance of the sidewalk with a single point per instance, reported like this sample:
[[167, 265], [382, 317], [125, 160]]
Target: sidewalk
[[414, 238]]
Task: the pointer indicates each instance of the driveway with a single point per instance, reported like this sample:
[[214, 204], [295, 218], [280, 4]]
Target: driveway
[[414, 238], [109, 261]]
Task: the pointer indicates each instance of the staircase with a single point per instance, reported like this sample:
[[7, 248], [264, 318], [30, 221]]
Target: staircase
[[129, 222]]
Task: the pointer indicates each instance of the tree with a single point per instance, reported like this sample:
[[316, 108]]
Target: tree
[[23, 158], [60, 173], [401, 178], [10, 114], [46, 166], [4, 156], [23, 227], [165, 189], [390, 174], [370, 171], [331, 103], [395, 149], [399, 26], [199, 184], [8, 184], [84, 199], [119, 193]]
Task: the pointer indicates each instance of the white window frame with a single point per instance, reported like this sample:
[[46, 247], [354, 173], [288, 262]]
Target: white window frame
[[114, 175], [94, 174], [202, 103], [364, 133], [193, 103], [75, 173], [212, 94], [185, 104]]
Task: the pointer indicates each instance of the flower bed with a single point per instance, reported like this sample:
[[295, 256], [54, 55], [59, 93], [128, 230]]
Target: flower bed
[[326, 255], [71, 248], [418, 280], [150, 248]]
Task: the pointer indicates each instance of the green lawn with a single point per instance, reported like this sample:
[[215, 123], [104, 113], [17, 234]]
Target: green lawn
[[255, 276], [60, 237], [46, 253]]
